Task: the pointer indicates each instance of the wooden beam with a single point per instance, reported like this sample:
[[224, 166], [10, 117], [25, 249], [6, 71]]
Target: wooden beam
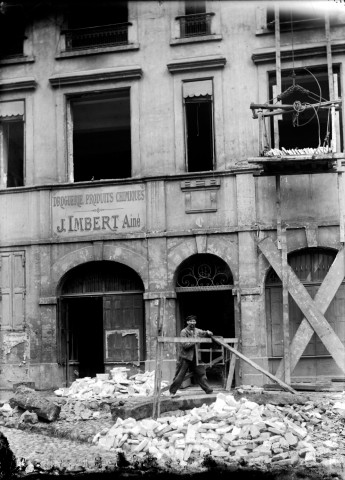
[[288, 107], [281, 239], [192, 340], [306, 304], [220, 340], [159, 360], [231, 371], [278, 89], [286, 321], [341, 201], [323, 298]]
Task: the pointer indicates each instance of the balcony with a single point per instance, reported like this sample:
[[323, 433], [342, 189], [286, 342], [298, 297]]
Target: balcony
[[95, 37], [195, 25]]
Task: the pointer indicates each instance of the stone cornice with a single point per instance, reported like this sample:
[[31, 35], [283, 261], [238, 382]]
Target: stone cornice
[[268, 55], [93, 76], [196, 64], [202, 38], [24, 83]]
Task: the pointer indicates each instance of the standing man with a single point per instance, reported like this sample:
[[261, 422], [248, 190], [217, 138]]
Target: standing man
[[187, 358]]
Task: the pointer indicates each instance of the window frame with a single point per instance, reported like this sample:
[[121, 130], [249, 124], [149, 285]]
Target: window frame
[[262, 27], [13, 290], [3, 162], [69, 130], [67, 32], [212, 101], [320, 69]]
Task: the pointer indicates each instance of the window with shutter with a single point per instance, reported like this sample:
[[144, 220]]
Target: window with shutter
[[198, 105], [12, 284], [12, 144]]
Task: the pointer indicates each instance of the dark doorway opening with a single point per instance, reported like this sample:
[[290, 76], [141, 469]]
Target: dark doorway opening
[[85, 321], [215, 312]]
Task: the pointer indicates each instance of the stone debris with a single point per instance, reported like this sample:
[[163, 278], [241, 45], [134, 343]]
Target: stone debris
[[116, 384], [6, 410], [231, 431], [28, 417], [28, 399], [249, 389]]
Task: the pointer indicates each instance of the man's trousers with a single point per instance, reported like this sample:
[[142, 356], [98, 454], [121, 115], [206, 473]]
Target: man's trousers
[[198, 371]]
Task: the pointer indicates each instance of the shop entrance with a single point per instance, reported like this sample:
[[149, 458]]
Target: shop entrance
[[204, 288], [84, 321], [101, 320]]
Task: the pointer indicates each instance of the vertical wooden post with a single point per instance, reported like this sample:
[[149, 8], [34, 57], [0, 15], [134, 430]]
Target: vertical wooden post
[[330, 79], [278, 88], [281, 233], [231, 370], [341, 198], [159, 360], [279, 213], [70, 163], [261, 130]]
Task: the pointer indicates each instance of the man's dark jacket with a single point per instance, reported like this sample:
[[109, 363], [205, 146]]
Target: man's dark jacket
[[187, 350]]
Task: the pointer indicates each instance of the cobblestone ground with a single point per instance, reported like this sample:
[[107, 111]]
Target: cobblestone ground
[[57, 452]]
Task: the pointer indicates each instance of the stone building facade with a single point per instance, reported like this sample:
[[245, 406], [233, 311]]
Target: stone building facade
[[125, 137]]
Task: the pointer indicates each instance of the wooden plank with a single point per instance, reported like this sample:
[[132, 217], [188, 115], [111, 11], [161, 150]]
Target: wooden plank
[[220, 340], [286, 321], [323, 298], [158, 366], [281, 234], [70, 167], [231, 371], [306, 304], [341, 200], [192, 340], [277, 90]]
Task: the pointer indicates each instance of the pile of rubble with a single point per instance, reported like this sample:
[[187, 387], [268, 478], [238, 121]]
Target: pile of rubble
[[233, 432], [116, 384]]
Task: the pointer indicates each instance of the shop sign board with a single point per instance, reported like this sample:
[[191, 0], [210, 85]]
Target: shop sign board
[[103, 210]]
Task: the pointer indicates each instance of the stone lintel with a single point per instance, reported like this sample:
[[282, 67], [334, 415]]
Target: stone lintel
[[197, 64], [93, 76]]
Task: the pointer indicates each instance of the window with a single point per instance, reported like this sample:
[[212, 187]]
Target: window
[[196, 21], [12, 28], [101, 136], [97, 25], [296, 17], [195, 7], [12, 144], [198, 105], [12, 286], [312, 127]]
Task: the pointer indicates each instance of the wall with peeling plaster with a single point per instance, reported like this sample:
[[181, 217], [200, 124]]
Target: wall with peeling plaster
[[220, 212]]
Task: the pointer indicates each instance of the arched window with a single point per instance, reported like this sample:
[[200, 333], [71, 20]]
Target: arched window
[[204, 272]]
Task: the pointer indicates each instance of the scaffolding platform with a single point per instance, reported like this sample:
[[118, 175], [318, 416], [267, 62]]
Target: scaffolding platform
[[297, 164]]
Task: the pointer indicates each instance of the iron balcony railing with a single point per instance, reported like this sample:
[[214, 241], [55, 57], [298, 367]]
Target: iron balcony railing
[[195, 25], [93, 37]]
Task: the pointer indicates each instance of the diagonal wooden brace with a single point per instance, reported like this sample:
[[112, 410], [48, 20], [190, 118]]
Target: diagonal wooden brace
[[322, 300], [234, 351], [306, 304]]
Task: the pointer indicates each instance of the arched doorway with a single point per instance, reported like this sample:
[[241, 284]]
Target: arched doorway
[[101, 319], [316, 364], [204, 286]]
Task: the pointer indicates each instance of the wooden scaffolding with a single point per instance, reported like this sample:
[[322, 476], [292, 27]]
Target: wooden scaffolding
[[295, 163]]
